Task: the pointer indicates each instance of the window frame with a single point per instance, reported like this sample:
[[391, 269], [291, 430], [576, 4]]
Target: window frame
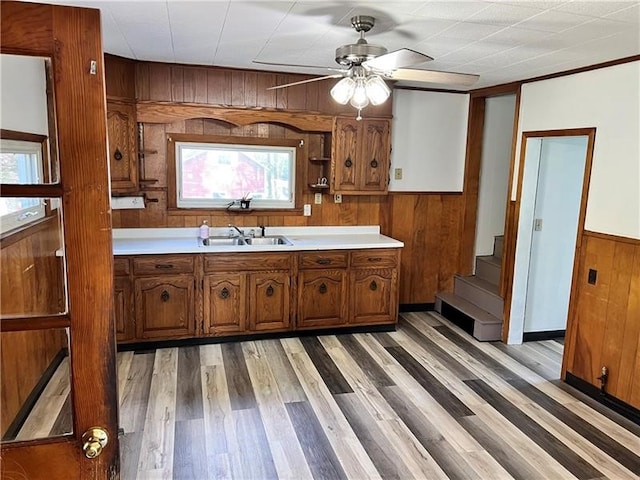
[[173, 176], [26, 217]]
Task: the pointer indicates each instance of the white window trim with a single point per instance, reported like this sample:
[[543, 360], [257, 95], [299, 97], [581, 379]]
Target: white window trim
[[226, 203]]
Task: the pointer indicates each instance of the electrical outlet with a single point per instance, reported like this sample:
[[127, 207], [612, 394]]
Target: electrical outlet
[[317, 198], [337, 198], [307, 210], [397, 174]]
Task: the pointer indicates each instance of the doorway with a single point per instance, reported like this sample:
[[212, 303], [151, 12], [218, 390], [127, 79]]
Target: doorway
[[552, 199]]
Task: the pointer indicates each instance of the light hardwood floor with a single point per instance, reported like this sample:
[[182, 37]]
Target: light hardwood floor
[[426, 401]]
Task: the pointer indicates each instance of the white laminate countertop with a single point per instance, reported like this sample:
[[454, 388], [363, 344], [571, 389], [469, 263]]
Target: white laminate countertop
[[140, 241]]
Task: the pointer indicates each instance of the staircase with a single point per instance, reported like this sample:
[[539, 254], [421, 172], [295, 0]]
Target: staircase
[[475, 304]]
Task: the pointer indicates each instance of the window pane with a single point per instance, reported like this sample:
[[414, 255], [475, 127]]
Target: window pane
[[215, 175], [32, 266], [35, 385]]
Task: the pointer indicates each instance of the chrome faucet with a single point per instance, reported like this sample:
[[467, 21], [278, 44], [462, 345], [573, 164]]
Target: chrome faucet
[[240, 232]]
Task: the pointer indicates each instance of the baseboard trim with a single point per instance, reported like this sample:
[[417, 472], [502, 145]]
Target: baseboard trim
[[142, 347], [539, 336], [34, 395], [623, 408], [417, 307]]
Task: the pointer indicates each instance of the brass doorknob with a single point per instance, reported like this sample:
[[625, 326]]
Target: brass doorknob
[[93, 441]]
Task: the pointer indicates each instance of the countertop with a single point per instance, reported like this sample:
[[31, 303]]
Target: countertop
[[141, 241]]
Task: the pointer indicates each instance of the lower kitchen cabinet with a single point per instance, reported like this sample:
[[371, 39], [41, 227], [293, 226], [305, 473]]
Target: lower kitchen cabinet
[[322, 298], [123, 309], [269, 301], [225, 303], [373, 296], [164, 307]]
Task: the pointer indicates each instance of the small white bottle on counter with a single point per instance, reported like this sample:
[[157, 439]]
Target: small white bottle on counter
[[204, 230]]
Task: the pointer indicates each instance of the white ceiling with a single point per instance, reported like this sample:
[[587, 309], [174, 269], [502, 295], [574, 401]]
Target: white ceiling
[[502, 41]]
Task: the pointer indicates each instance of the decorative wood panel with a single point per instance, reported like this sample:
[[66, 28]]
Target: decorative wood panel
[[322, 298], [225, 305], [604, 325], [269, 297]]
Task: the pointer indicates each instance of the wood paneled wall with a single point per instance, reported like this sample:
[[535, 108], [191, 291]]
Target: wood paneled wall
[[605, 325], [30, 282], [429, 224]]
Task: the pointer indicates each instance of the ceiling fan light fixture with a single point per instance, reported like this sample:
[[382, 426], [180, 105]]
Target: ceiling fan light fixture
[[343, 90], [360, 99], [377, 90]]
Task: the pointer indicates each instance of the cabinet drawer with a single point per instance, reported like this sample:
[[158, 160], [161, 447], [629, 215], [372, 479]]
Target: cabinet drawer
[[121, 266], [163, 264], [247, 262], [323, 260], [374, 258]]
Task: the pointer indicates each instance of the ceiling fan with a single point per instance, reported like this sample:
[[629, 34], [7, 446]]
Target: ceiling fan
[[365, 67]]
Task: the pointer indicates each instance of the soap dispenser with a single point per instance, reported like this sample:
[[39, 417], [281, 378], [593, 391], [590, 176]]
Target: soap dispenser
[[204, 230]]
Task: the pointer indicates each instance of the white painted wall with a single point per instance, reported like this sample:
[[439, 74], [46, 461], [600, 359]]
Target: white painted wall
[[608, 99], [23, 97], [429, 135], [494, 170], [557, 204]]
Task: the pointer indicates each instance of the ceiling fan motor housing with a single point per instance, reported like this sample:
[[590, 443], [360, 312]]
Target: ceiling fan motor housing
[[361, 51]]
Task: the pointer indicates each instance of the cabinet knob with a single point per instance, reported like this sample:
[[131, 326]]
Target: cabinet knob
[[348, 163], [224, 293], [269, 291], [322, 288], [117, 154], [164, 296], [374, 163], [373, 286]]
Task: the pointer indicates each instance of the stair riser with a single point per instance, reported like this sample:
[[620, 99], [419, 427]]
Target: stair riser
[[497, 246], [488, 271], [487, 333], [485, 300]]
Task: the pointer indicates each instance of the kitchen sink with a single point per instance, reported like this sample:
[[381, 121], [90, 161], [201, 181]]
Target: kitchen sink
[[267, 241], [221, 241]]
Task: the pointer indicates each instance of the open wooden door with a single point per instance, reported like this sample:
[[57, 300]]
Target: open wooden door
[[56, 264]]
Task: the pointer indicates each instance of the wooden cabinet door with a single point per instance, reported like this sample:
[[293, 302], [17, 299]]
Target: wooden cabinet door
[[165, 307], [125, 325], [373, 297], [373, 174], [344, 159], [269, 297], [322, 298], [225, 305], [123, 156]]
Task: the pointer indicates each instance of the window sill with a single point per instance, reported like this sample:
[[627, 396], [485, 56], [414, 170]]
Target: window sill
[[224, 212]]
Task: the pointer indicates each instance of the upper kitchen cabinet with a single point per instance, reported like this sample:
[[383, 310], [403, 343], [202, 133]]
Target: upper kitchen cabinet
[[360, 157], [123, 152]]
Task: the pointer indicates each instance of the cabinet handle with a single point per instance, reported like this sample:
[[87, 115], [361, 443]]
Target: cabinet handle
[[373, 286], [164, 266], [269, 291], [374, 259], [322, 288], [323, 261], [117, 154], [164, 296], [224, 293], [348, 163], [374, 163]]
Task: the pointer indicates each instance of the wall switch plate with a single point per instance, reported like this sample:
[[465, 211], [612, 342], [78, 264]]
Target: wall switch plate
[[337, 198], [317, 198], [397, 174], [307, 210]]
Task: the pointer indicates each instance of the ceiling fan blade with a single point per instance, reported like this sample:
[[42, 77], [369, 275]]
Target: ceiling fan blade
[[404, 57], [433, 76], [335, 75]]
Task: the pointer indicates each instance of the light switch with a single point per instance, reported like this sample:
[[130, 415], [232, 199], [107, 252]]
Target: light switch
[[537, 224], [306, 211], [397, 174]]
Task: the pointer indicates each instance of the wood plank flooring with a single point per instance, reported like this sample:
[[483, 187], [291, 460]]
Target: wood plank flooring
[[426, 401]]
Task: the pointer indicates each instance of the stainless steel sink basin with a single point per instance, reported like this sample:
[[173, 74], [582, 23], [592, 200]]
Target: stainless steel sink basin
[[267, 241], [221, 241]]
